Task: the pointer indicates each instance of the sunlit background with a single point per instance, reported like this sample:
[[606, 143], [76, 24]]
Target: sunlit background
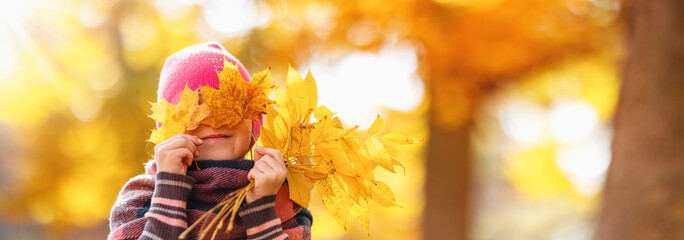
[[532, 84]]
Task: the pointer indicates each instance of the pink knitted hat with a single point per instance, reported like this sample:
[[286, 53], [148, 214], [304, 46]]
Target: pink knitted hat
[[196, 66]]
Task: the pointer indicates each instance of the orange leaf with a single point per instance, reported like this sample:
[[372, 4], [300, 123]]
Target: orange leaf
[[236, 99], [179, 118]]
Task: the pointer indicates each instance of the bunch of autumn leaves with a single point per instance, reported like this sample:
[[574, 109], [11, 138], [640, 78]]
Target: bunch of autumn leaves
[[321, 153]]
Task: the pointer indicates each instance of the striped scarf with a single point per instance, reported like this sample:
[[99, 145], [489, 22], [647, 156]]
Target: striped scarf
[[214, 181]]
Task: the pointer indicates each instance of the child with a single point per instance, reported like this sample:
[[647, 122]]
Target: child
[[176, 190]]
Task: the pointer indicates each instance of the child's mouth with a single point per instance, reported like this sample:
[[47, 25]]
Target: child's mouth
[[215, 137]]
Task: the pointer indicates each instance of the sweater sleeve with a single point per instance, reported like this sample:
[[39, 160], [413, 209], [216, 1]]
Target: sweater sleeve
[[167, 217], [299, 227], [261, 220]]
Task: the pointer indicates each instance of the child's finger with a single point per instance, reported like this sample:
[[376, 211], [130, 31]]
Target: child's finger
[[191, 142], [254, 174], [258, 152], [159, 145], [186, 141], [271, 152], [194, 139], [275, 165], [263, 165], [165, 144], [180, 141], [185, 155]]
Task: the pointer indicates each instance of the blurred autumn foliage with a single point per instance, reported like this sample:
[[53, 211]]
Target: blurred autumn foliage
[[76, 78]]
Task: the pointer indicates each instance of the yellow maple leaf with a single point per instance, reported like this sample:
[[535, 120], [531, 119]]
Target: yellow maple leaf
[[236, 99], [303, 93], [179, 118], [269, 138]]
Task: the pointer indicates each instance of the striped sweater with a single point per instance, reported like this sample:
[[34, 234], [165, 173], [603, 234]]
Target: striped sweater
[[161, 205]]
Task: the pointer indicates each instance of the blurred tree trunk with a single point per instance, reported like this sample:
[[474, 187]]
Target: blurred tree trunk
[[447, 184], [644, 196]]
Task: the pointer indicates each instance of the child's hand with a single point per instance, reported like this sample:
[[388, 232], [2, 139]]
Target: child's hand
[[176, 153], [269, 173]]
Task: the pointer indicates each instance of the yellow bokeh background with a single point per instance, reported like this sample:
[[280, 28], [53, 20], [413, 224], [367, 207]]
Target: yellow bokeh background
[[536, 78]]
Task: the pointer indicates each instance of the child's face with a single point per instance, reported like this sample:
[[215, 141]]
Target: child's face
[[224, 143]]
